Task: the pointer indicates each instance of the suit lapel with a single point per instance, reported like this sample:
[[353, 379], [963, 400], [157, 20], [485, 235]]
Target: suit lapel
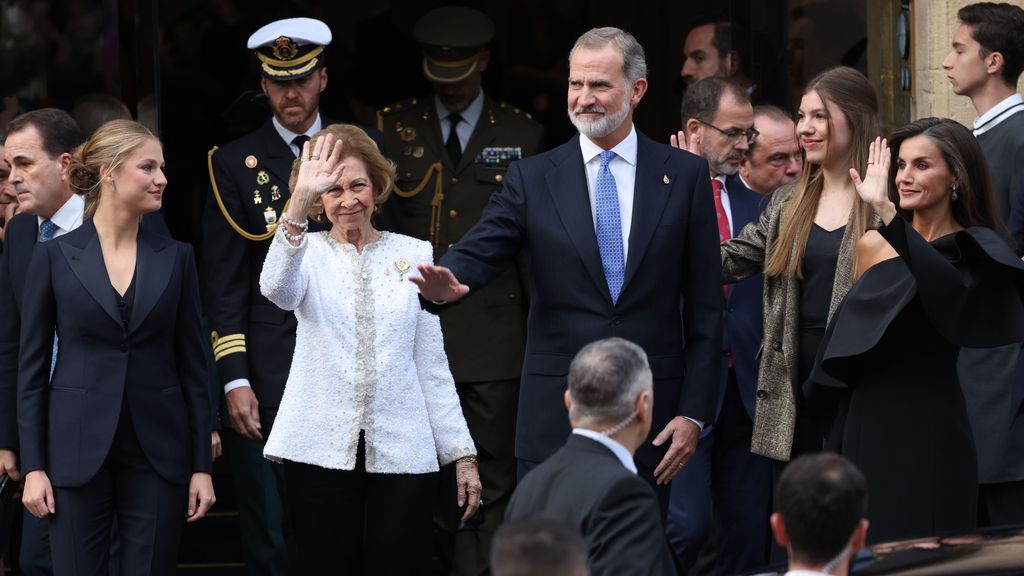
[[650, 194], [21, 257], [153, 266], [567, 184], [86, 261]]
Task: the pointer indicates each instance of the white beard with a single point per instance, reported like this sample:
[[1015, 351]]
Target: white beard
[[604, 125]]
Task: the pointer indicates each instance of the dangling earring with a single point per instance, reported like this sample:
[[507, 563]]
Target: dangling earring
[[954, 197]]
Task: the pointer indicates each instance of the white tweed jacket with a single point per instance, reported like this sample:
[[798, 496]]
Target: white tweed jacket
[[367, 358]]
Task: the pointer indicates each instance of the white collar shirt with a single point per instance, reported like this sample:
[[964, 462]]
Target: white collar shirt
[[287, 135], [68, 217], [623, 169], [726, 204], [470, 118], [619, 450], [989, 120]]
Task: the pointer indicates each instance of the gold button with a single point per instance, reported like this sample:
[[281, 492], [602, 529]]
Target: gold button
[[455, 179], [498, 177], [452, 213]]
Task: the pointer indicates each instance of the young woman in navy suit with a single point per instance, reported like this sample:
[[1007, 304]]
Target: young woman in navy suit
[[115, 415]]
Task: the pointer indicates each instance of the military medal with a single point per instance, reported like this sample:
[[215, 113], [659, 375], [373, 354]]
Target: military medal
[[402, 265], [256, 198], [262, 177], [270, 217], [250, 161], [275, 193], [408, 134], [407, 150], [417, 152]]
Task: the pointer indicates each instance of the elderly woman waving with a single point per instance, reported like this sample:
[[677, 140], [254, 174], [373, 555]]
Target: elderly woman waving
[[370, 407]]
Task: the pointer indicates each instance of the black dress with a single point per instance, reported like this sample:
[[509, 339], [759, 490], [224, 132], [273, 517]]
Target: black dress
[[814, 412], [893, 345]]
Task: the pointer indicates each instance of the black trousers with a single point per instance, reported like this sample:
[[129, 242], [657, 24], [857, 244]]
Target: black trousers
[[354, 522], [149, 510]]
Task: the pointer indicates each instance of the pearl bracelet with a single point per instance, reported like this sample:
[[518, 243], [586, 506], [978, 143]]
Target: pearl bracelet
[[297, 238], [300, 225]]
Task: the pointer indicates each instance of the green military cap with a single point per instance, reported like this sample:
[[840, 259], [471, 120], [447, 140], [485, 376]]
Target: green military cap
[[452, 38]]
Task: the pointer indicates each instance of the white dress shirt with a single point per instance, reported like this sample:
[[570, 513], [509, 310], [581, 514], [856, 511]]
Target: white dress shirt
[[470, 117], [67, 217], [623, 169], [367, 358], [619, 450], [726, 204], [287, 135], [989, 120]]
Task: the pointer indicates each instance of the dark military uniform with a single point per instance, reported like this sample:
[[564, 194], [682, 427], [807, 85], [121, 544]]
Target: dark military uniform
[[485, 335]]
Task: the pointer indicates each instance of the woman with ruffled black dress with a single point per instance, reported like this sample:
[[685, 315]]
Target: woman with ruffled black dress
[[933, 278]]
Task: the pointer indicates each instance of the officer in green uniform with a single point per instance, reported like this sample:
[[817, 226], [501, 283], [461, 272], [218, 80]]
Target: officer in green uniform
[[253, 339], [453, 148]]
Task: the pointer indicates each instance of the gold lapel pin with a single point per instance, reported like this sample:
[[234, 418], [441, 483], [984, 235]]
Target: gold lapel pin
[[665, 179], [402, 265]]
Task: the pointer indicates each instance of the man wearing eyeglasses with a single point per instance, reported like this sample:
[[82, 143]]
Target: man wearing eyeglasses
[[774, 158], [718, 512]]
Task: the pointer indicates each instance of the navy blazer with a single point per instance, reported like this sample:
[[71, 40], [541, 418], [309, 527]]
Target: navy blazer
[[585, 485], [20, 238], [544, 209], [156, 361], [742, 318]]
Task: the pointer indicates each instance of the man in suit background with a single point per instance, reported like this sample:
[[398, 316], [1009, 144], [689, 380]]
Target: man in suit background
[[616, 228], [591, 482], [452, 149], [724, 491], [774, 158], [984, 64], [820, 503]]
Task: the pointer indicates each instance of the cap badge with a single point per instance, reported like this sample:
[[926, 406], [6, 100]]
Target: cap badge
[[285, 48], [250, 161]]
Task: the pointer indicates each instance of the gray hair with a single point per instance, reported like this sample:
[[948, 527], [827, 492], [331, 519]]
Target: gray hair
[[605, 378], [634, 64]]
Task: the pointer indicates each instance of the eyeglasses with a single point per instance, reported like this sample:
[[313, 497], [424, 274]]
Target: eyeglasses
[[734, 135]]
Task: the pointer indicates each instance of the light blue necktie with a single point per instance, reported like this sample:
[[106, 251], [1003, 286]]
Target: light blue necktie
[[47, 230], [609, 227]]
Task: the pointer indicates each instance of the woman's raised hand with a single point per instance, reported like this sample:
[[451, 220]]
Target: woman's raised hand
[[320, 168], [874, 187]]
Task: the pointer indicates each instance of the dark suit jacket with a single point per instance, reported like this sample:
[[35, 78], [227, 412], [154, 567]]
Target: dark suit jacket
[[544, 209], [741, 325], [584, 484], [156, 362], [21, 237], [255, 197]]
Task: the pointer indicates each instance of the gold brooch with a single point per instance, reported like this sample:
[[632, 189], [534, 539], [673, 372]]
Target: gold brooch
[[402, 265]]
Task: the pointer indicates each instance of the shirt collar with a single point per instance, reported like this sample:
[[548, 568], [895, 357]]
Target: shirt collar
[[992, 117], [625, 149], [287, 135], [69, 216], [619, 450], [725, 188], [471, 115]]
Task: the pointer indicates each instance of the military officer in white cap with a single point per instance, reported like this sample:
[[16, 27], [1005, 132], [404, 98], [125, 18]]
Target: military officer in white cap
[[252, 338]]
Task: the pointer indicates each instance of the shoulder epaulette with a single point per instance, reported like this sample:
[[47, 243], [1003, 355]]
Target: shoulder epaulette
[[505, 106]]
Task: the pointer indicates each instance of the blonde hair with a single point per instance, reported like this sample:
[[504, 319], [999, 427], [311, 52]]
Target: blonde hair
[[357, 145], [851, 95], [101, 155]]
